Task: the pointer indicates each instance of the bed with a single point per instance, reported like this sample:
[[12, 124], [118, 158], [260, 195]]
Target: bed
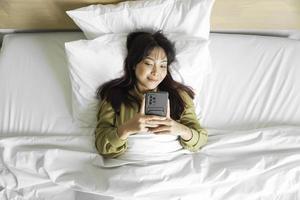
[[248, 101], [260, 162]]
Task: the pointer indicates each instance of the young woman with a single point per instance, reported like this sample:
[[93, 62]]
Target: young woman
[[121, 114]]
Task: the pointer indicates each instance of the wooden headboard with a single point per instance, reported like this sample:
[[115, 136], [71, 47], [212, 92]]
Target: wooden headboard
[[226, 14]]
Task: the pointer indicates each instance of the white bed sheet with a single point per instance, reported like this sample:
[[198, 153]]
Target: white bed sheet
[[43, 155]]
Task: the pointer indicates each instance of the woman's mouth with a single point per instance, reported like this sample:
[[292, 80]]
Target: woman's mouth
[[152, 79]]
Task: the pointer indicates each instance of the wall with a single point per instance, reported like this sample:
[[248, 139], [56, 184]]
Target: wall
[[226, 14]]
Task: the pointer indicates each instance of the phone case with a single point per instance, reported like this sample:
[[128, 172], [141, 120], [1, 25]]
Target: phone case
[[156, 103]]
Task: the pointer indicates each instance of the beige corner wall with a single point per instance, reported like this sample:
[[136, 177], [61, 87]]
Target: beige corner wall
[[256, 14], [226, 15], [41, 14]]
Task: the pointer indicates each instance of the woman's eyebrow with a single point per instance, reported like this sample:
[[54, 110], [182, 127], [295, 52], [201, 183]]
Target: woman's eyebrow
[[148, 57]]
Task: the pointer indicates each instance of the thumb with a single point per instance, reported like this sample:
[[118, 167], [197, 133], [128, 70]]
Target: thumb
[[142, 107]]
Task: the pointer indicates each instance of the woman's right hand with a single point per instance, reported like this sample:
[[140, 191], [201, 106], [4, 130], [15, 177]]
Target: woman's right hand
[[138, 123]]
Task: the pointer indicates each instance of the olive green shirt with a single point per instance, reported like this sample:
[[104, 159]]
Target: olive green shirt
[[110, 145]]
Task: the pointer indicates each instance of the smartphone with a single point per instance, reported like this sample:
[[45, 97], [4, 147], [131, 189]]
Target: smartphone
[[156, 103]]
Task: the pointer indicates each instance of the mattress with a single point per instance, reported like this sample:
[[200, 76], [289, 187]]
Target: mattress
[[249, 106]]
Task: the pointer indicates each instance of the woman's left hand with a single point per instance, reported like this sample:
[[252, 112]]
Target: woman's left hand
[[170, 126]]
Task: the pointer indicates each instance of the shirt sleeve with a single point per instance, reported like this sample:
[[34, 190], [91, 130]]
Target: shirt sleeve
[[108, 143], [189, 119]]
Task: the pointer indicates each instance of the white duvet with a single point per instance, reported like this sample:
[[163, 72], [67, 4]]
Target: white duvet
[[257, 164], [255, 85]]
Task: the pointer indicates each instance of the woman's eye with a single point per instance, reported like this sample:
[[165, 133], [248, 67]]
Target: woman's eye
[[163, 66], [147, 63]]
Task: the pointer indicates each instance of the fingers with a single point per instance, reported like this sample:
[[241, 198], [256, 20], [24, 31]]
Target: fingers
[[168, 110], [151, 125], [153, 117], [159, 122], [161, 129], [142, 108], [145, 129], [155, 121]]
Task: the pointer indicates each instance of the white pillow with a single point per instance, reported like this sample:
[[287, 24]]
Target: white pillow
[[94, 62], [35, 96], [182, 16], [254, 83]]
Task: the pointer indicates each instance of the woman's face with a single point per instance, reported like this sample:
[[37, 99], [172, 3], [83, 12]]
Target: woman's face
[[152, 70]]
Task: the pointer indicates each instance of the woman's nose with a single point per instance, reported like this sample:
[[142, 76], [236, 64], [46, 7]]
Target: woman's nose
[[154, 70]]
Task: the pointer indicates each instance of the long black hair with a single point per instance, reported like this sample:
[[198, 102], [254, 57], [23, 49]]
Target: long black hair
[[139, 45]]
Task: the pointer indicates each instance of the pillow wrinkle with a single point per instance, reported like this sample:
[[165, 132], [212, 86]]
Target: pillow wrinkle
[[165, 20]]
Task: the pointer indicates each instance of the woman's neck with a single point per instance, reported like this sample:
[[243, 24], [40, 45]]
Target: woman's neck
[[143, 90]]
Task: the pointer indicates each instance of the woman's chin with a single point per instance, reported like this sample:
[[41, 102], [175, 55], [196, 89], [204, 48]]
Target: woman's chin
[[152, 86], [149, 86]]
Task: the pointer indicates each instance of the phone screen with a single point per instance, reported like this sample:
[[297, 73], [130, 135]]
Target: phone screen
[[156, 103]]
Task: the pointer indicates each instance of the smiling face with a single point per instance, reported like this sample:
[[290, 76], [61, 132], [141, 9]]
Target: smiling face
[[152, 70]]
